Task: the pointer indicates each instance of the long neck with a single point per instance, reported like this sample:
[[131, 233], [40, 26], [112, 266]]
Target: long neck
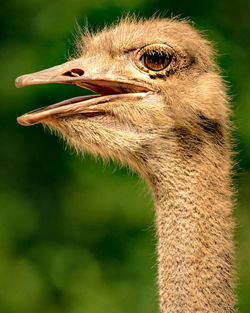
[[194, 226]]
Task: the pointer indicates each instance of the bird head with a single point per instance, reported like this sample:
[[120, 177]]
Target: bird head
[[157, 91]]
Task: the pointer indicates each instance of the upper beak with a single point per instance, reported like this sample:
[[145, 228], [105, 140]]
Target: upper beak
[[69, 72], [81, 74]]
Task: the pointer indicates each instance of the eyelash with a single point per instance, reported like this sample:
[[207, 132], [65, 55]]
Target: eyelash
[[156, 60]]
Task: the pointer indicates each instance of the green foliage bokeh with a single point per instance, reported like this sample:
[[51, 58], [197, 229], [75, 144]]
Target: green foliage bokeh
[[78, 235]]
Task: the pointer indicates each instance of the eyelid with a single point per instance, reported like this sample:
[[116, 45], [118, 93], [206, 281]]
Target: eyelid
[[156, 45], [141, 48]]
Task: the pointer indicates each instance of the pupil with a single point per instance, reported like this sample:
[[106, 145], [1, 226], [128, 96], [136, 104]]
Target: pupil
[[158, 59]]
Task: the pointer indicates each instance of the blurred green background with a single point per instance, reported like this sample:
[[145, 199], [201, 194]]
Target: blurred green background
[[77, 235]]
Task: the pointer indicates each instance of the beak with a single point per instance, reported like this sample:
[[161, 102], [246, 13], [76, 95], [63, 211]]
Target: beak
[[80, 72]]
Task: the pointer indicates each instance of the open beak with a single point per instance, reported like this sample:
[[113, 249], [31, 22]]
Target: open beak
[[107, 86]]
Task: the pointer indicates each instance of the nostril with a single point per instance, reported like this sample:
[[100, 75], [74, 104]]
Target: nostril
[[76, 72]]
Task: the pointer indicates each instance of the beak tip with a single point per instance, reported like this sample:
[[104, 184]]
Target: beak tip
[[20, 121], [19, 82]]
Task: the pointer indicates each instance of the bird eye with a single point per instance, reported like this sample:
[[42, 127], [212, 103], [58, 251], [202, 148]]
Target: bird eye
[[156, 60]]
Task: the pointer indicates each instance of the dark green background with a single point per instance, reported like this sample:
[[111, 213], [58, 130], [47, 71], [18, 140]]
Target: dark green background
[[77, 235]]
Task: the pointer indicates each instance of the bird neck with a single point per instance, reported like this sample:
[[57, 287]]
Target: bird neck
[[195, 226]]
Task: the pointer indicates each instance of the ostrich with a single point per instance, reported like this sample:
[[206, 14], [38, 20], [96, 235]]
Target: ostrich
[[160, 107]]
